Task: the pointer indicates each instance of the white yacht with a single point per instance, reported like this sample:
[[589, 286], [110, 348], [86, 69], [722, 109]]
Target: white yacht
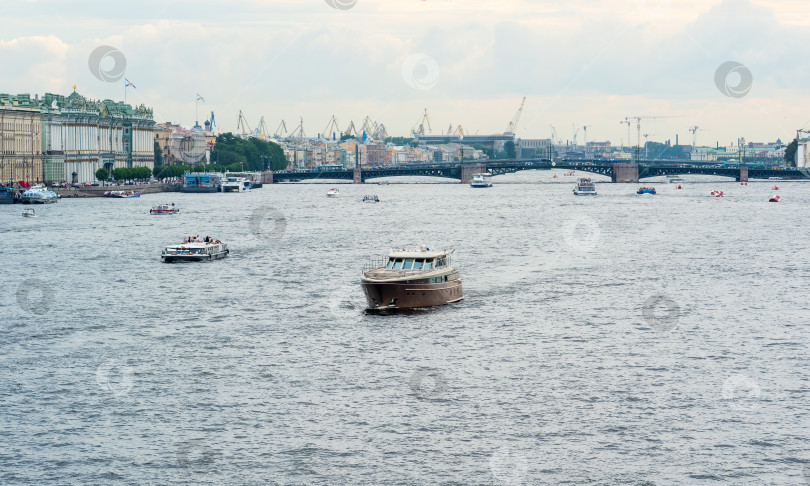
[[235, 184], [333, 192], [481, 180], [585, 187], [38, 195], [195, 251]]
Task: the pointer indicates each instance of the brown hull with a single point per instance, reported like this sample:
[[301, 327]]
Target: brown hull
[[409, 295]]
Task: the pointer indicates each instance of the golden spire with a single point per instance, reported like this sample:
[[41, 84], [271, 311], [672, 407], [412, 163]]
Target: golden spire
[[74, 87]]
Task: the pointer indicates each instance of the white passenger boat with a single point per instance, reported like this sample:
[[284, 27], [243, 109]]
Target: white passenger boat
[[585, 187], [38, 195], [195, 251], [164, 208], [235, 184], [333, 193], [483, 179], [372, 198]]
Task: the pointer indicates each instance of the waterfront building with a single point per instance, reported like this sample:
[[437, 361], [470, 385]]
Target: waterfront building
[[67, 138], [20, 139]]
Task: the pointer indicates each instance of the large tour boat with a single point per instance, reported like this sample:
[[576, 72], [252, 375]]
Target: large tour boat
[[411, 278], [235, 184], [38, 195], [585, 187], [483, 179], [195, 251], [8, 195]]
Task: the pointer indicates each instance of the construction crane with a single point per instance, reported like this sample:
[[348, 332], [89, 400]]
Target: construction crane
[[646, 148], [261, 131], [380, 133], [351, 130], [459, 131], [585, 129], [576, 131], [511, 129], [421, 125], [638, 119], [281, 126], [299, 133], [369, 126], [331, 128], [626, 122], [694, 130], [450, 129], [242, 126], [554, 138]]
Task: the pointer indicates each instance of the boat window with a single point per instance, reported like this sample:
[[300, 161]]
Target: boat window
[[390, 264], [398, 264], [408, 264], [428, 264], [417, 264], [440, 262]]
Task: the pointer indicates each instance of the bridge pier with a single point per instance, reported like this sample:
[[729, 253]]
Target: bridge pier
[[267, 177], [624, 173], [357, 177], [467, 171], [743, 176]]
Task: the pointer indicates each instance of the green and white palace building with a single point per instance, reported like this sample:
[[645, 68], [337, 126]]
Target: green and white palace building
[[67, 138]]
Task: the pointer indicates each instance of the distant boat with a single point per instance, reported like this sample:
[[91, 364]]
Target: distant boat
[[333, 193], [774, 198], [585, 187], [164, 209], [483, 179], [676, 180], [29, 213], [371, 198], [195, 251], [646, 190]]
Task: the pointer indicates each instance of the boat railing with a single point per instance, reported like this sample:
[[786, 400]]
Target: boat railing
[[381, 263]]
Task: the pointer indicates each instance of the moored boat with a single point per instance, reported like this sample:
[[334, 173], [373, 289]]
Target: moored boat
[[235, 184], [646, 190], [201, 182], [411, 278], [585, 187], [122, 194], [164, 208], [483, 179], [195, 251], [38, 195], [8, 195]]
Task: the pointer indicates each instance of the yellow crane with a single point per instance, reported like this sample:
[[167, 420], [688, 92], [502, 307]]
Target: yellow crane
[[512, 127]]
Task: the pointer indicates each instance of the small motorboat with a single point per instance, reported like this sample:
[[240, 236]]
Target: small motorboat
[[483, 179], [29, 213], [371, 198], [646, 190], [774, 198], [775, 188], [333, 193], [717, 194], [164, 208], [676, 180]]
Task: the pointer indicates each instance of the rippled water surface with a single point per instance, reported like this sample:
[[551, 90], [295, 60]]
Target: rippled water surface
[[617, 339]]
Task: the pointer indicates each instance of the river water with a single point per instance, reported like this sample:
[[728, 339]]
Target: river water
[[617, 339]]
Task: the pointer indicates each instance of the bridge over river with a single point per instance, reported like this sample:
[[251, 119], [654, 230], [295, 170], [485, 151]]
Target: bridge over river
[[617, 171]]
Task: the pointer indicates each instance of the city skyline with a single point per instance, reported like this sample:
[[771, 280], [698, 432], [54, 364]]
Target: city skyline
[[470, 64]]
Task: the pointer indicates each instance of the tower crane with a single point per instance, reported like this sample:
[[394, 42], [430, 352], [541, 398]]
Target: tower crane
[[646, 148], [576, 131], [585, 129], [626, 122], [242, 126], [331, 128], [419, 128], [694, 130], [281, 126], [554, 138], [512, 127], [638, 119]]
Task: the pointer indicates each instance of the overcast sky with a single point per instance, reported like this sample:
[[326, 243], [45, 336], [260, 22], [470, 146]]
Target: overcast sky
[[470, 62]]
